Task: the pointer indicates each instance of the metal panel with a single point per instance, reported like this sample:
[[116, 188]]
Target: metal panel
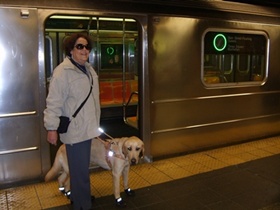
[[19, 96], [186, 115]]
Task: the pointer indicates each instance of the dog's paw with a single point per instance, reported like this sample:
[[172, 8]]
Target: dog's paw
[[68, 194], [62, 190], [120, 203], [129, 192]]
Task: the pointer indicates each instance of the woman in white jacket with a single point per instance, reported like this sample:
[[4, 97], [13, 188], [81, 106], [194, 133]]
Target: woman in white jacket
[[69, 87]]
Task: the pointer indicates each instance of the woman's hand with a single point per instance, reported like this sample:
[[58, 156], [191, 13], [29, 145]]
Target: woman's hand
[[52, 137]]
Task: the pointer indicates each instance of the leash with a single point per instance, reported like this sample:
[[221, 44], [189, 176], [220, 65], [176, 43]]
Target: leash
[[102, 131]]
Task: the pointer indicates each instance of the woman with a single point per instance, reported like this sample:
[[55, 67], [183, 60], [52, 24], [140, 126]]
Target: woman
[[69, 87]]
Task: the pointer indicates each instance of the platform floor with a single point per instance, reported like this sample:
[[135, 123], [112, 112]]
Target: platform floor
[[239, 177]]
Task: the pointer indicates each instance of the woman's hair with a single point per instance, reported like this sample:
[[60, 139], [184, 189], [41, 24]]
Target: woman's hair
[[70, 41]]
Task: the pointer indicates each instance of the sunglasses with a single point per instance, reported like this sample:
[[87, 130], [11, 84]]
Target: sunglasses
[[81, 46]]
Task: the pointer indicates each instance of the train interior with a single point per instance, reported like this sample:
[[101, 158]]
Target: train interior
[[114, 57]]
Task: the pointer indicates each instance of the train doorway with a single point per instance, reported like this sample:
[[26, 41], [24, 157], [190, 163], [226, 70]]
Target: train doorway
[[115, 59]]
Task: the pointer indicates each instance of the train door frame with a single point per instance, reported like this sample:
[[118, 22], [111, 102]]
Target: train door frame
[[143, 81]]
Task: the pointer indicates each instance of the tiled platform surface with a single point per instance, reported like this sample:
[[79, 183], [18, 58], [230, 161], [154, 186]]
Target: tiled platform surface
[[239, 177]]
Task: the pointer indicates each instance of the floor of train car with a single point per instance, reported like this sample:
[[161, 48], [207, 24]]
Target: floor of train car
[[117, 128], [243, 176]]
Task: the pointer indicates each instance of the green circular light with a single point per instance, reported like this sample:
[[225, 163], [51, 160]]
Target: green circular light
[[110, 50], [220, 42]]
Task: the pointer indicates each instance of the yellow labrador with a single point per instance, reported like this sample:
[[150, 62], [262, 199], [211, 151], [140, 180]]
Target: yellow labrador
[[115, 154]]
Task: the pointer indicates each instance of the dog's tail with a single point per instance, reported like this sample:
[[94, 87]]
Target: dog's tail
[[57, 166]]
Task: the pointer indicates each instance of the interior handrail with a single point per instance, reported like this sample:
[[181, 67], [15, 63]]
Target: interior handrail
[[127, 104]]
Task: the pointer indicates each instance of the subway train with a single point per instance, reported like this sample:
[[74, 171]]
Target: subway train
[[188, 75]]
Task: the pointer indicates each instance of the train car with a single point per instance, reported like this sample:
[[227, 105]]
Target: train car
[[193, 75]]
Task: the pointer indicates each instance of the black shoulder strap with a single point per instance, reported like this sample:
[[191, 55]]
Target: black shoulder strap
[[82, 104]]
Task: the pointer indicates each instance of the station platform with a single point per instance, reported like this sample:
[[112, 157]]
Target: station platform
[[238, 177]]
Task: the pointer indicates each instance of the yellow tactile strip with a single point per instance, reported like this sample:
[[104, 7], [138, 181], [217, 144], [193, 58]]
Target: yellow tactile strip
[[23, 198], [47, 195], [3, 200]]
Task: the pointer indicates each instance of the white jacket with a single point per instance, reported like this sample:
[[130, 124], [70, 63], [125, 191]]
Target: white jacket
[[69, 87]]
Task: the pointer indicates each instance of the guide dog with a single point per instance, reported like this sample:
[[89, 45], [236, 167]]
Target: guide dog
[[116, 154]]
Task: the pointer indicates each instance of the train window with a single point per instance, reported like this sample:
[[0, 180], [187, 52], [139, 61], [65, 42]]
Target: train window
[[234, 58], [48, 60], [48, 63]]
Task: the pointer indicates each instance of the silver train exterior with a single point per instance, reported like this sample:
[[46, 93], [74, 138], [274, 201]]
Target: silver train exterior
[[207, 74]]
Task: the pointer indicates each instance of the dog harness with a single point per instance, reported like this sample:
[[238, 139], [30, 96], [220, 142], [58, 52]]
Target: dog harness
[[111, 153], [108, 144]]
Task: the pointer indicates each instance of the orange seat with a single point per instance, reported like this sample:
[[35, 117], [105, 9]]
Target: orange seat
[[111, 92], [106, 93], [118, 91]]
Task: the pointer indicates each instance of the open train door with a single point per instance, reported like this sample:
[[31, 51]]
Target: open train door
[[114, 57], [116, 62]]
